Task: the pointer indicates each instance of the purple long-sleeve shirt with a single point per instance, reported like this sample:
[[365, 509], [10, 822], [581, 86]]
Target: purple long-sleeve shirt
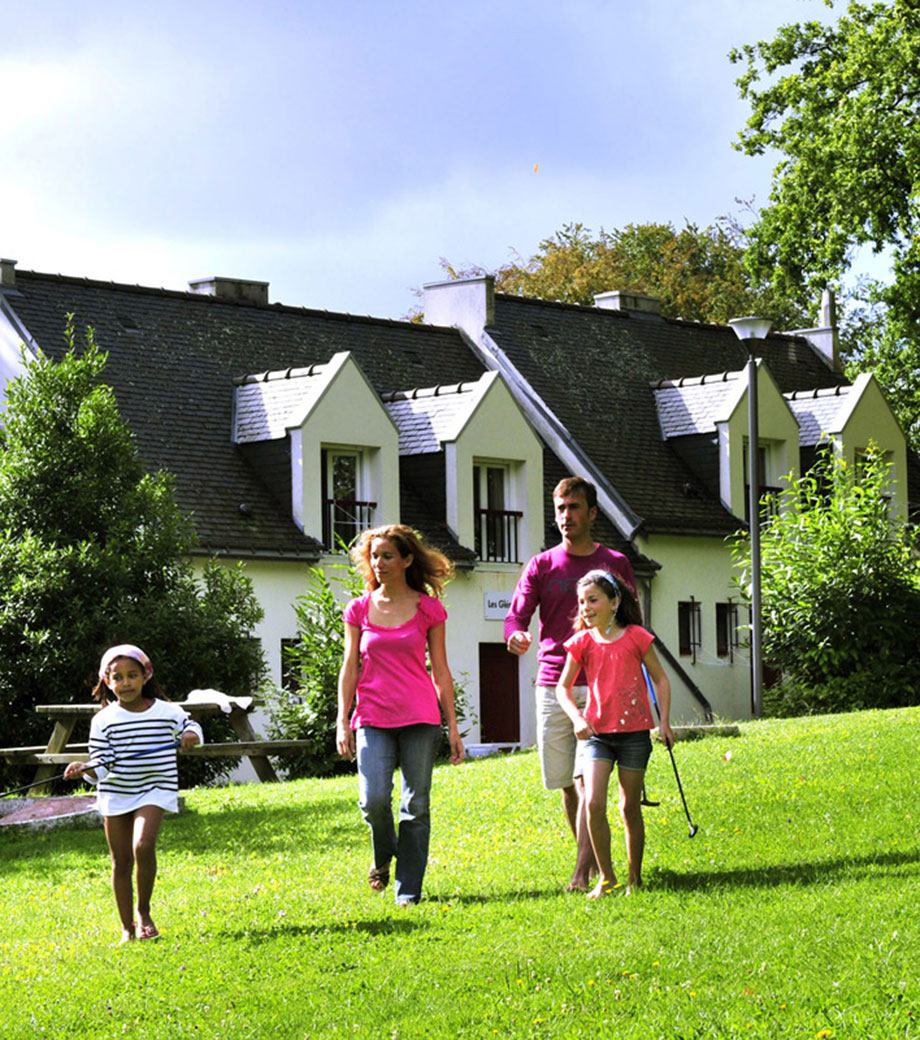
[[548, 583]]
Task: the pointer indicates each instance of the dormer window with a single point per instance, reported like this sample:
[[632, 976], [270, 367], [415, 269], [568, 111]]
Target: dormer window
[[496, 528], [346, 509], [769, 495]]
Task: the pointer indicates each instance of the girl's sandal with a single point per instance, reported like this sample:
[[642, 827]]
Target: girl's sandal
[[378, 878], [148, 931]]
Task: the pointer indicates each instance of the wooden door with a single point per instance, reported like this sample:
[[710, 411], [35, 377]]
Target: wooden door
[[499, 695]]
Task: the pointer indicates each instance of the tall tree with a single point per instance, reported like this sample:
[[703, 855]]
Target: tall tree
[[841, 104], [698, 274], [94, 551]]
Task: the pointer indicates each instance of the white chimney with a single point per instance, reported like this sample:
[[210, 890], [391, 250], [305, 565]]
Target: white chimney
[[624, 301], [241, 290], [825, 339], [8, 274]]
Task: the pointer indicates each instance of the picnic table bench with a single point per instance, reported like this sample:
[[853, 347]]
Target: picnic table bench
[[59, 751]]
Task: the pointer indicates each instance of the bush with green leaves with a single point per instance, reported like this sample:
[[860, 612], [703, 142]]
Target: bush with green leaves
[[840, 588], [95, 551], [306, 709]]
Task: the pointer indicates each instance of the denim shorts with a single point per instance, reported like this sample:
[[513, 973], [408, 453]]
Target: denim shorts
[[628, 750]]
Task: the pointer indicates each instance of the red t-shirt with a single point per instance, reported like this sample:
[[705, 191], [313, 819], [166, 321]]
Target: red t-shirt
[[617, 694]]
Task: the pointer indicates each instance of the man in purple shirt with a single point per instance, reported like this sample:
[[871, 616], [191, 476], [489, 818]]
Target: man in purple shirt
[[547, 584]]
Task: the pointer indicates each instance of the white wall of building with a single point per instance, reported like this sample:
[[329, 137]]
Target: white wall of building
[[701, 568]]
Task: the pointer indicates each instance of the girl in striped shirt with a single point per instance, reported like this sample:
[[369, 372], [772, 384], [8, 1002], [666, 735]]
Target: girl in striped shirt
[[132, 751]]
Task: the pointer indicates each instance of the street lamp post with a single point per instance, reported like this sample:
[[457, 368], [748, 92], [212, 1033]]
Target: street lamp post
[[748, 329]]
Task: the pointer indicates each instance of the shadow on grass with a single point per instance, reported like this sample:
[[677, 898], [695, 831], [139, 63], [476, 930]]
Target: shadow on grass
[[512, 895], [802, 873], [299, 828], [407, 923]]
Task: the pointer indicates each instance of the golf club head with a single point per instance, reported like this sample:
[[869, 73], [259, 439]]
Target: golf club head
[[648, 802], [693, 829]]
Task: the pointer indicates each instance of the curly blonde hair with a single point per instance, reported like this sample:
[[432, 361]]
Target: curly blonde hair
[[429, 571]]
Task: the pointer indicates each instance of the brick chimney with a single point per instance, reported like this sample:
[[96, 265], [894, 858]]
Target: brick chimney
[[241, 290]]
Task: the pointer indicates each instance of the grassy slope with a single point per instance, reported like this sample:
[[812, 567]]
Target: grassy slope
[[791, 914]]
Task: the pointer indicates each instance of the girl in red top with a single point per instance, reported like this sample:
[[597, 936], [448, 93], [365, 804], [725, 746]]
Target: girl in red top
[[611, 645]]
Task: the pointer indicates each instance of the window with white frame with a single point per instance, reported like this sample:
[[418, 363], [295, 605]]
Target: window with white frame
[[496, 527], [346, 509]]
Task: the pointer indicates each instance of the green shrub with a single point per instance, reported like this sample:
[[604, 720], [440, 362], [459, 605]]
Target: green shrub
[[859, 691], [94, 551], [306, 708], [840, 586]]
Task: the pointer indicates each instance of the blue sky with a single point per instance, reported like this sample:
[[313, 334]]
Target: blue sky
[[339, 149]]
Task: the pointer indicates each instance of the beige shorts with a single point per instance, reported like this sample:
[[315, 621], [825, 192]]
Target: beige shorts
[[561, 754]]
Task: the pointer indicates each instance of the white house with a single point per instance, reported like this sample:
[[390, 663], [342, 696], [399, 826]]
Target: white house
[[288, 429]]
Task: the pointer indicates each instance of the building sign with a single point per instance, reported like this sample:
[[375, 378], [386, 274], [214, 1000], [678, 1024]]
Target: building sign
[[497, 605]]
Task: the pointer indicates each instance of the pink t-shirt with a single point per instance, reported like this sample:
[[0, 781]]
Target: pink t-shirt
[[548, 583], [394, 687], [617, 694]]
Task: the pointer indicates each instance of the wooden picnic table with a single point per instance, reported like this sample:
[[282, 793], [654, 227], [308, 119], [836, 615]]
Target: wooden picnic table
[[59, 751]]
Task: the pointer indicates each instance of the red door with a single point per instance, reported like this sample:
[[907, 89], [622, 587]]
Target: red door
[[499, 696]]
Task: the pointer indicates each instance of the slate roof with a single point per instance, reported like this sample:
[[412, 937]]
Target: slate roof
[[427, 418], [595, 367], [818, 412], [692, 406], [173, 358], [268, 404]]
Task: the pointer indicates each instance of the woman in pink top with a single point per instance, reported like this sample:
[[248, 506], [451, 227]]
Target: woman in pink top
[[389, 632], [612, 647]]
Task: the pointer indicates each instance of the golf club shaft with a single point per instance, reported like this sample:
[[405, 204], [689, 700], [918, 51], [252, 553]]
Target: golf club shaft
[[682, 798], [89, 765], [651, 693]]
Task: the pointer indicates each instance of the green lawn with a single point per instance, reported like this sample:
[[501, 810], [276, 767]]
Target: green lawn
[[793, 912]]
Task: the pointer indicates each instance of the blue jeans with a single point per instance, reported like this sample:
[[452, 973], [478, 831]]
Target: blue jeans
[[380, 750]]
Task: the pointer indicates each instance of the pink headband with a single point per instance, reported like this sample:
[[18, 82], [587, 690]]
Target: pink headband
[[126, 650]]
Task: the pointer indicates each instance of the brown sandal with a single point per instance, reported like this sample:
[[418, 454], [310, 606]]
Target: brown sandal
[[378, 878]]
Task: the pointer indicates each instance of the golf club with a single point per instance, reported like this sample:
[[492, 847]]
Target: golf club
[[654, 699], [646, 800], [89, 765]]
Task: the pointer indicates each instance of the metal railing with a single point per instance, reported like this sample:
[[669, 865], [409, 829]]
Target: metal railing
[[769, 501], [497, 535], [345, 519]]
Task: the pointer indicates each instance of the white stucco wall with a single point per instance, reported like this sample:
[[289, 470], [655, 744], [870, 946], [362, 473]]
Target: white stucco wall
[[871, 419], [11, 341], [468, 626], [778, 432], [698, 567], [497, 432]]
